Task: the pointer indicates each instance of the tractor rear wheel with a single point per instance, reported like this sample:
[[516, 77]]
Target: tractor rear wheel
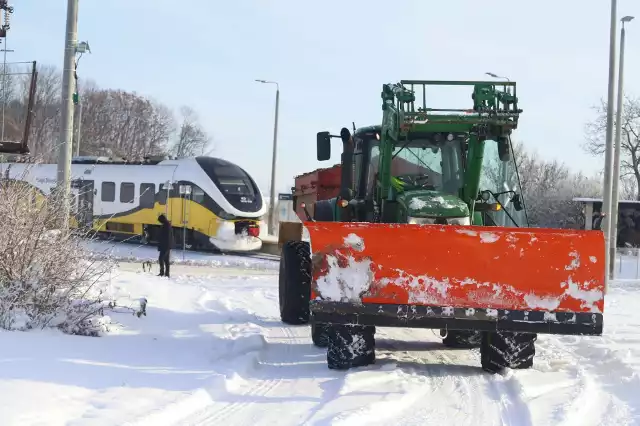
[[502, 349], [350, 346], [295, 282], [461, 338]]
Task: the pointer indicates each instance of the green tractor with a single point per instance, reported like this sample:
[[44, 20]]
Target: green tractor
[[429, 230]]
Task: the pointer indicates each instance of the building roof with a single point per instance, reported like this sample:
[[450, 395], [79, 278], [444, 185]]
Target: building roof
[[599, 200]]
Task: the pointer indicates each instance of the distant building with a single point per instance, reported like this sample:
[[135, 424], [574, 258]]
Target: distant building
[[628, 232]]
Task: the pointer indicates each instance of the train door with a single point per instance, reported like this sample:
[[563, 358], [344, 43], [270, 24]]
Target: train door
[[185, 198], [82, 202], [168, 193]]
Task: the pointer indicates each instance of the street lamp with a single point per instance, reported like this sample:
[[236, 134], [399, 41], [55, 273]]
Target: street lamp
[[605, 224], [272, 202], [616, 156], [490, 74], [81, 49]]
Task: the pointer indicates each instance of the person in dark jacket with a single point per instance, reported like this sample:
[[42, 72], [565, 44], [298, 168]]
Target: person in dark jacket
[[165, 242]]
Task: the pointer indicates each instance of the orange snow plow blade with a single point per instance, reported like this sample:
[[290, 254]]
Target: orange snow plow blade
[[464, 277]]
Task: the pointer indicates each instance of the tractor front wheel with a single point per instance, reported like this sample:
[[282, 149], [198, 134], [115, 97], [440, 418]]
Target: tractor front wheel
[[350, 346], [320, 334], [502, 349], [295, 282]]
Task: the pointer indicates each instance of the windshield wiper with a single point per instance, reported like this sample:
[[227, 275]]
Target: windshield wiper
[[414, 154], [502, 207]]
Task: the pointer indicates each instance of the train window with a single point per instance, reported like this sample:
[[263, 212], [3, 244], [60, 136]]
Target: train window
[[147, 195], [127, 192], [108, 191], [162, 194], [197, 194]]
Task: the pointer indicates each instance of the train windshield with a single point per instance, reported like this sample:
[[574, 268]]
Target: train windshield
[[234, 183], [232, 180]]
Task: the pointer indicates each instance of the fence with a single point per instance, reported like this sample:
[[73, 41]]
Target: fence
[[627, 264]]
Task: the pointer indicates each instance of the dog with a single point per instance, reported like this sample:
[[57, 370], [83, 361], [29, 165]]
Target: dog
[[147, 264]]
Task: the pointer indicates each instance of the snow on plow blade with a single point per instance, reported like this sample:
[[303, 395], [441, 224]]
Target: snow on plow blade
[[459, 277]]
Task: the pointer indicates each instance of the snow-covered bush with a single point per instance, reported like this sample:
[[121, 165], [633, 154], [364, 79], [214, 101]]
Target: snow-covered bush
[[46, 278]]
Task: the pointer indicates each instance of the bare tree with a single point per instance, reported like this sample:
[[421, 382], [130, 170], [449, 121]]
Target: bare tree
[[119, 123], [629, 138], [628, 188], [46, 278], [548, 188], [114, 122], [191, 139]]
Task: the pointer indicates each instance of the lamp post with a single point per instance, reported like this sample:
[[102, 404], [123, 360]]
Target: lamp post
[[608, 154], [77, 110], [616, 155], [66, 131], [272, 201]]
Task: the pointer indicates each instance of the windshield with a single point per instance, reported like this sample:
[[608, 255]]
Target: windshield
[[423, 164], [234, 183], [498, 176]]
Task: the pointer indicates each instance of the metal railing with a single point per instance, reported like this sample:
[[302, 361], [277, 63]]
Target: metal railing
[[627, 266]]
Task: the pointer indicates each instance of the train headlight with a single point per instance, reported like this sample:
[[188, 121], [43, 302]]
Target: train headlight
[[226, 216]]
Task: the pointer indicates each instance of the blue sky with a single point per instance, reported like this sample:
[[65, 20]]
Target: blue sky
[[331, 59]]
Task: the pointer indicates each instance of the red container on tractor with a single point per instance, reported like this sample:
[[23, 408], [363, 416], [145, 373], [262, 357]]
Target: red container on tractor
[[320, 184]]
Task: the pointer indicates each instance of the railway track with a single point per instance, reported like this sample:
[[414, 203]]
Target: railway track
[[134, 243]]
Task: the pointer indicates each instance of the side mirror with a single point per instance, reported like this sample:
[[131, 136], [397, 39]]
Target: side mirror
[[517, 202], [323, 141], [345, 135], [504, 151]]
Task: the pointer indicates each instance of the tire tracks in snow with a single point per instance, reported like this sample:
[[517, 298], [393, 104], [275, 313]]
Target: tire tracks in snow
[[236, 385], [219, 412], [444, 385], [601, 398], [254, 386]]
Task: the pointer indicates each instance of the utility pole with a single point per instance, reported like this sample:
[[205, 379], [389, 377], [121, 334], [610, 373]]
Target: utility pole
[[616, 157], [66, 129], [4, 85], [6, 25], [272, 201], [608, 156]]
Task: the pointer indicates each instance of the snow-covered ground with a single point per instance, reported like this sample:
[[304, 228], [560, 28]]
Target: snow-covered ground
[[133, 252], [212, 351]]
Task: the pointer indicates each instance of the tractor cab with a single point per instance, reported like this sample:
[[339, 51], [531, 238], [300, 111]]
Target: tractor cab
[[427, 175]]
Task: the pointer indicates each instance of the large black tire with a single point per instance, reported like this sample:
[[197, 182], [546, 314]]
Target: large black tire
[[461, 338], [501, 349], [295, 282], [323, 211], [320, 334], [350, 346]]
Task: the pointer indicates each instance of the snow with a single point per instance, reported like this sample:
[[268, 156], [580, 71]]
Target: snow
[[347, 283], [132, 252], [355, 242], [417, 204], [212, 350], [488, 237], [575, 261], [537, 302]]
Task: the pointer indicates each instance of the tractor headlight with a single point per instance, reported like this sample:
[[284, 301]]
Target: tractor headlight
[[459, 221], [432, 220], [421, 220]]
